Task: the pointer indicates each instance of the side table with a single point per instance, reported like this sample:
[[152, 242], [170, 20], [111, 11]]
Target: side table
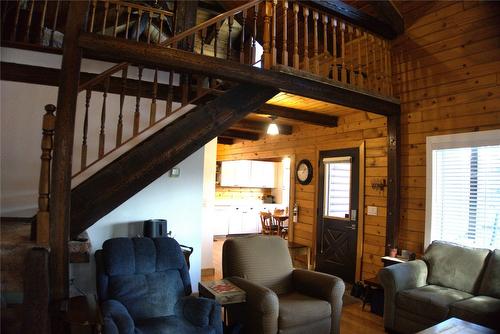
[[223, 291], [83, 314]]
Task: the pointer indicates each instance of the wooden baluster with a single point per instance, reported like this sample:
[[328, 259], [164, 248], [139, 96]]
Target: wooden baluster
[[162, 16], [184, 89], [381, 68], [105, 18], [16, 21], [273, 33], [127, 25], [216, 38], [305, 12], [54, 25], [42, 217], [119, 127], [343, 71], [242, 34], [42, 21], [150, 20], [266, 40], [30, 18], [83, 159], [284, 52], [138, 24], [92, 17], [359, 67], [352, 76], [152, 113], [389, 68], [137, 114], [296, 61], [170, 94], [117, 16], [367, 66], [253, 51], [203, 37], [315, 42], [325, 34], [102, 136], [230, 21], [375, 71], [335, 70]]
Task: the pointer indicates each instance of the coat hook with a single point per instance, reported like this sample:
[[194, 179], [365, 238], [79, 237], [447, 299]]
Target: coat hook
[[380, 185]]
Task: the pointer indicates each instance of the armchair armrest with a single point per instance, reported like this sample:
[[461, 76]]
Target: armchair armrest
[[261, 307], [116, 318], [398, 277], [201, 312], [321, 286]]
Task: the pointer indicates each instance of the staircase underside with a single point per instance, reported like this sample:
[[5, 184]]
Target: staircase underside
[[134, 170]]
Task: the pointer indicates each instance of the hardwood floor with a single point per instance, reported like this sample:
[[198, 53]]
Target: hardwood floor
[[354, 320]]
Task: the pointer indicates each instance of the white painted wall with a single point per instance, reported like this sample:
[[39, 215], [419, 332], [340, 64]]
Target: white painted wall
[[208, 215], [183, 201]]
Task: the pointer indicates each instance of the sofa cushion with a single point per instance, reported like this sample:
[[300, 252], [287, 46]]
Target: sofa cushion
[[430, 301], [297, 309], [455, 266], [490, 285], [483, 310]]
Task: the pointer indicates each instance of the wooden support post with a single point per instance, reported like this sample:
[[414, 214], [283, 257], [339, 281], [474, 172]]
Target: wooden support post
[[60, 198], [394, 181], [42, 217]]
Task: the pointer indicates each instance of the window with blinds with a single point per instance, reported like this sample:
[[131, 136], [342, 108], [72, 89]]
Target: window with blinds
[[337, 187], [466, 196]]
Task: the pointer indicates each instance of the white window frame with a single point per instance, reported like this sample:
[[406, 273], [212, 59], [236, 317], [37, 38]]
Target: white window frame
[[469, 139]]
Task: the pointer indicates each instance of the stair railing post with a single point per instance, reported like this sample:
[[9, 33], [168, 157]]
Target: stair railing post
[[267, 57], [60, 185], [42, 217]]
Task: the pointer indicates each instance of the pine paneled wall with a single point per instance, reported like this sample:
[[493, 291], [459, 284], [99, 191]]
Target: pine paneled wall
[[446, 71], [305, 143]]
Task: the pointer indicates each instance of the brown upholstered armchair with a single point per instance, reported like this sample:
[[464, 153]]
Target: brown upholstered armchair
[[280, 299]]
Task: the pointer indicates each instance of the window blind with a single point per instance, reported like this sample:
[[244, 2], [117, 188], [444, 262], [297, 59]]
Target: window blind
[[337, 187], [466, 196]]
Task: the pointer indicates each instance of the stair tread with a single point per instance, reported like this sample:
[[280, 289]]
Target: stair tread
[[15, 232]]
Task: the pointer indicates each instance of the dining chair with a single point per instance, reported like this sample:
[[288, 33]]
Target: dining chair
[[281, 220], [266, 220]]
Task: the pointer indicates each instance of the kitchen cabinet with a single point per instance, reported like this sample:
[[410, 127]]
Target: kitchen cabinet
[[248, 173], [222, 216]]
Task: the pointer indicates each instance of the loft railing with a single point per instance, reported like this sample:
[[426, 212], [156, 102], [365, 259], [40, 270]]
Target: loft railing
[[41, 22]]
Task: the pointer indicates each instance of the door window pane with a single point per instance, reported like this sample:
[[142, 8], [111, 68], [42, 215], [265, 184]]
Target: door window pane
[[337, 187]]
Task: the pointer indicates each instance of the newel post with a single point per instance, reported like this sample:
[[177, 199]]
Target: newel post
[[267, 57], [42, 217]]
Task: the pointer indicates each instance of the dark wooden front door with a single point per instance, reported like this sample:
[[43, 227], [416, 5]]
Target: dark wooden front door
[[338, 213]]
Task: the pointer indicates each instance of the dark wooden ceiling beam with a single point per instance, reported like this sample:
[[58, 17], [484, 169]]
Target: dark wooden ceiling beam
[[391, 14], [355, 16], [299, 115], [225, 141], [312, 87], [238, 134], [261, 127]]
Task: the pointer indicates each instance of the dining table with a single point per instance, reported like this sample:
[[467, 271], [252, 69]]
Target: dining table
[[280, 219]]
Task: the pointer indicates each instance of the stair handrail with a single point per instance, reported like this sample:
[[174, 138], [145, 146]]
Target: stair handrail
[[209, 22], [101, 77]]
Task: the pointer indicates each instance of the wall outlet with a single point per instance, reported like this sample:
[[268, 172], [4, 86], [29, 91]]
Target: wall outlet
[[372, 211]]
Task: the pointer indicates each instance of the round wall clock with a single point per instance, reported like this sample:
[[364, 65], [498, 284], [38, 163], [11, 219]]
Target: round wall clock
[[304, 171]]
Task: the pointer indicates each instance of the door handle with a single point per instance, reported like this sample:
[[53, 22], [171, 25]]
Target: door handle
[[351, 227]]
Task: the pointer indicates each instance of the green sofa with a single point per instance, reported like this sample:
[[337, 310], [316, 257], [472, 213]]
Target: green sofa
[[450, 281]]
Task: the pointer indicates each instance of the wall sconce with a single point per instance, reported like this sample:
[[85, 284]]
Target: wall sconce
[[379, 185]]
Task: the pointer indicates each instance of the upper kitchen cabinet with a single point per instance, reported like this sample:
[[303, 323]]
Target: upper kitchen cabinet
[[248, 173]]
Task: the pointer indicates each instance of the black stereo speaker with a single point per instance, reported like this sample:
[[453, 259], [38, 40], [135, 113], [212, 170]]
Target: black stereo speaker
[[155, 228]]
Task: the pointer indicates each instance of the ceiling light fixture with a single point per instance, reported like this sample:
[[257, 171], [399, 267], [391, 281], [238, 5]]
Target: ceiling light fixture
[[273, 128]]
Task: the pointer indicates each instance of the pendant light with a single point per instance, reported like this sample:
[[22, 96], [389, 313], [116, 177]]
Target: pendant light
[[272, 129]]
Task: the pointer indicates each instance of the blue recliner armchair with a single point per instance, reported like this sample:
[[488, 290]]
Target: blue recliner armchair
[[144, 287]]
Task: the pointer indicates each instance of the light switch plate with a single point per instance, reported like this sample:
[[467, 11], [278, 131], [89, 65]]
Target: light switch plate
[[372, 211]]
